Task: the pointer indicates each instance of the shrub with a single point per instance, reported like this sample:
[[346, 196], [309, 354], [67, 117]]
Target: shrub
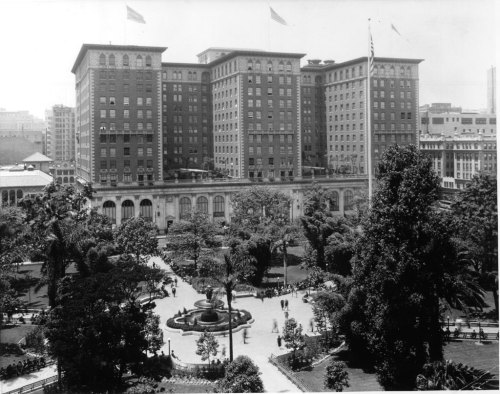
[[35, 340], [336, 377], [242, 376]]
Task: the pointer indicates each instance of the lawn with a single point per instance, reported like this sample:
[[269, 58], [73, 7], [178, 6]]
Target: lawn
[[13, 335], [483, 357], [187, 388]]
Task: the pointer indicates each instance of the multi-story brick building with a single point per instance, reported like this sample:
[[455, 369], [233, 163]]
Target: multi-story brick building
[[60, 137], [187, 117], [313, 110], [456, 159], [256, 113], [119, 114]]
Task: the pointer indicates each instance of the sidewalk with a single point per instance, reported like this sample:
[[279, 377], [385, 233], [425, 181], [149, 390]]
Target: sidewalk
[[261, 342], [30, 378]]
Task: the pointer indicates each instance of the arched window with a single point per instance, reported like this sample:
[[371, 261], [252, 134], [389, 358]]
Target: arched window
[[146, 210], [19, 194], [5, 197], [138, 61], [12, 197], [59, 179], [288, 66], [125, 60], [401, 71], [148, 61], [348, 200], [112, 60], [127, 210], [202, 204], [65, 180], [184, 207], [71, 179], [408, 71], [281, 66], [392, 72], [269, 66], [334, 202], [250, 65], [109, 210], [218, 206], [257, 65], [382, 70], [102, 59]]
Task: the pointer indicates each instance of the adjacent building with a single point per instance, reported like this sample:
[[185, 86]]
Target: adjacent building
[[456, 159], [17, 183], [119, 114], [60, 135]]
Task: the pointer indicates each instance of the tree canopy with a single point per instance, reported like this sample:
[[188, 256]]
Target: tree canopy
[[137, 236], [242, 376]]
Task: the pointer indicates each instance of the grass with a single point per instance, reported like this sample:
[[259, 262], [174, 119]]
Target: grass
[[13, 335], [187, 388], [484, 357]]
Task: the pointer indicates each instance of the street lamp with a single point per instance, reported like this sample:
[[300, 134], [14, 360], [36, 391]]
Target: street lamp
[[168, 346]]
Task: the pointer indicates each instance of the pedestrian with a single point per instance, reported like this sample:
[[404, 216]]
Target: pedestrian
[[282, 302], [174, 291], [311, 324], [175, 281], [286, 315], [245, 333], [286, 304], [275, 326], [279, 341]]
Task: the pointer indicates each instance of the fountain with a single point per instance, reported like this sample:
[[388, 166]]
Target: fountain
[[209, 314]]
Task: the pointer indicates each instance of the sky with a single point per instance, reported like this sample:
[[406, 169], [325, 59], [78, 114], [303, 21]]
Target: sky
[[40, 39]]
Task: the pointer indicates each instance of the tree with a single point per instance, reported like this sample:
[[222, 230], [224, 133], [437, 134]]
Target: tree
[[137, 236], [233, 269], [405, 263], [475, 209], [242, 376], [54, 218], [327, 305], [336, 377], [207, 346], [262, 220], [292, 336], [98, 328], [319, 224], [190, 236]]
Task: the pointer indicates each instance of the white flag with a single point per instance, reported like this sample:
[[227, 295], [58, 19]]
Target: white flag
[[134, 16]]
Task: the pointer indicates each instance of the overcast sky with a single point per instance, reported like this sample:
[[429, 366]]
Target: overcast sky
[[40, 39]]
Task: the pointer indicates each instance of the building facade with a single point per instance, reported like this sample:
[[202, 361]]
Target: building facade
[[119, 114], [18, 183], [456, 159], [60, 136], [451, 123]]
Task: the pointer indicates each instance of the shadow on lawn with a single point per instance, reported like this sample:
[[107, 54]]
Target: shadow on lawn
[[354, 361]]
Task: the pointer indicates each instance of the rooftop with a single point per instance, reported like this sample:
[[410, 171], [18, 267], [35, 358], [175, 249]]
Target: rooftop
[[37, 157], [87, 47], [33, 178]]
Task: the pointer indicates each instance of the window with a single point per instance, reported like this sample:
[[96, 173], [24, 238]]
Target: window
[[146, 210], [202, 204], [184, 207], [138, 61], [102, 59], [219, 210], [127, 210], [148, 61], [334, 201], [125, 60], [109, 210]]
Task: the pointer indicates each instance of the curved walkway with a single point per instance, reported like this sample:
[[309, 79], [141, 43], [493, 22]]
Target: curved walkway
[[261, 342]]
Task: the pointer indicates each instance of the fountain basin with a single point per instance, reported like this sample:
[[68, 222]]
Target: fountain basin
[[210, 322]]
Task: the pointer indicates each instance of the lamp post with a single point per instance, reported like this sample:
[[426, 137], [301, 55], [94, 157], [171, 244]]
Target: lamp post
[[168, 346], [448, 317]]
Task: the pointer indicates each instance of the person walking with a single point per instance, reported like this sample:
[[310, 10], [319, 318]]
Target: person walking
[[282, 302], [175, 281], [275, 326], [279, 341], [174, 290], [245, 333], [286, 304], [286, 315]]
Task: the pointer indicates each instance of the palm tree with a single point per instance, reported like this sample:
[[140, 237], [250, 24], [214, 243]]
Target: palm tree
[[284, 235]]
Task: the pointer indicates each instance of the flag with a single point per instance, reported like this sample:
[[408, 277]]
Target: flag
[[134, 16], [394, 28], [277, 18], [372, 54]]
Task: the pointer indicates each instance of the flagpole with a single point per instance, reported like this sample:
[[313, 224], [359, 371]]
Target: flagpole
[[369, 117]]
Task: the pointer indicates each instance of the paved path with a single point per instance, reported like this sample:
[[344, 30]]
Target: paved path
[[261, 342], [16, 383]]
